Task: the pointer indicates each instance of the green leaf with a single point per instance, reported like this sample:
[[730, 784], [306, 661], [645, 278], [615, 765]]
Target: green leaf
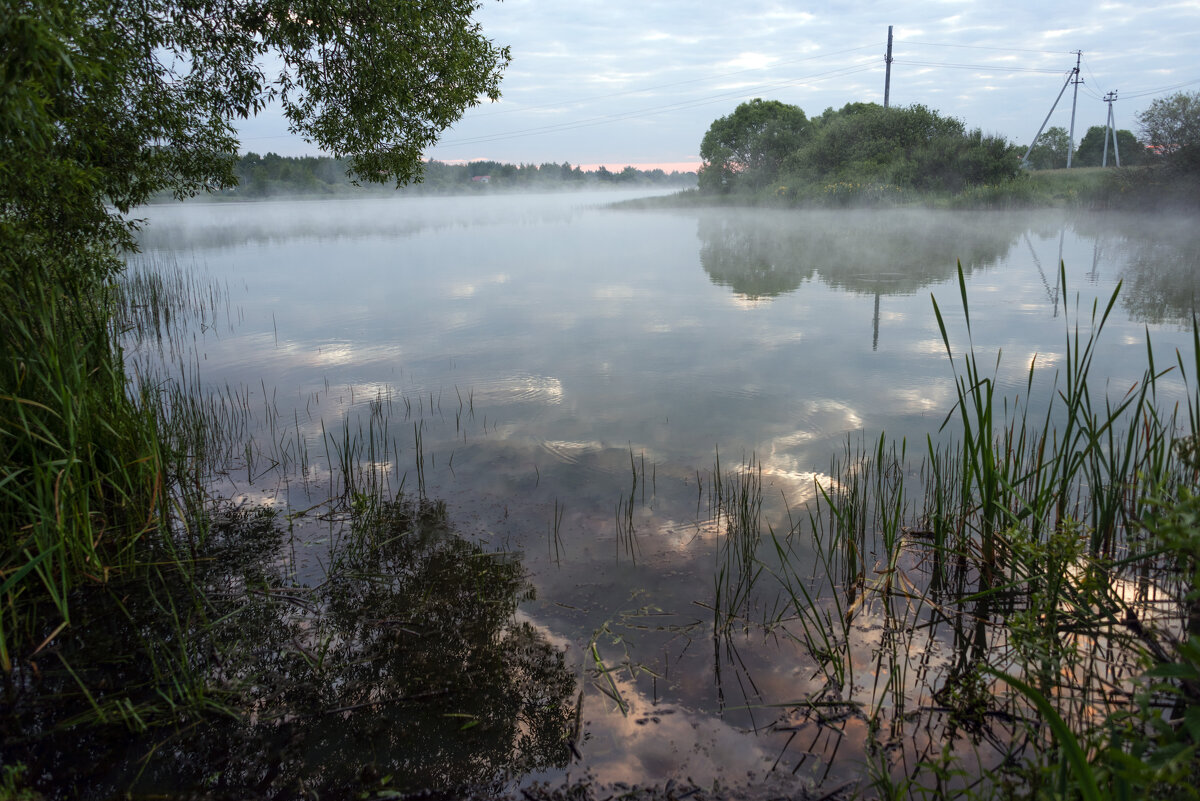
[[1081, 771]]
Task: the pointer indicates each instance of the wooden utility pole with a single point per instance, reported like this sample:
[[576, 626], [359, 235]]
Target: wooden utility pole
[[1071, 76], [1074, 100], [1111, 130], [887, 76]]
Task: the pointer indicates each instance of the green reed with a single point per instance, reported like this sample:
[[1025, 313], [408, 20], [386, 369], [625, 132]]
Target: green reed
[[1022, 546], [109, 440], [735, 505], [626, 528], [81, 468]]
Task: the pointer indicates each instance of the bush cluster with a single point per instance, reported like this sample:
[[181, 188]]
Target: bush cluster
[[771, 144]]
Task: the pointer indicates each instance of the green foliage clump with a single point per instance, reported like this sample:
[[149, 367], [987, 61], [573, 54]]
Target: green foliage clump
[[769, 144], [913, 147], [81, 461], [1050, 150], [746, 149], [1149, 745], [1091, 152], [1171, 126]]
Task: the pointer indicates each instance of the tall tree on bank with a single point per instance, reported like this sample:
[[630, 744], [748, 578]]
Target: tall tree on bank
[[1050, 151], [1092, 147], [1171, 126], [745, 149]]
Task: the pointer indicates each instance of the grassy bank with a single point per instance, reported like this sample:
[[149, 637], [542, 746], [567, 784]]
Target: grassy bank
[[83, 486]]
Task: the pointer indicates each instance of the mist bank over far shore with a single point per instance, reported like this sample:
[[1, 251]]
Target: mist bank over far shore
[[1128, 189], [272, 176]]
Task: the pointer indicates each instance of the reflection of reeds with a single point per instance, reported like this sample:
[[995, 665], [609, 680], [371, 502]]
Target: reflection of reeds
[[554, 535], [735, 502], [220, 429], [626, 530], [1019, 558]]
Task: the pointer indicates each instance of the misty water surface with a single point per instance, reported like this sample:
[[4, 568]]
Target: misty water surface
[[540, 355]]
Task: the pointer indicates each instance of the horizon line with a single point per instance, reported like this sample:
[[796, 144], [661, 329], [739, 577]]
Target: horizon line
[[611, 166]]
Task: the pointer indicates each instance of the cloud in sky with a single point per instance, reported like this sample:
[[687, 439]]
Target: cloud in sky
[[620, 82]]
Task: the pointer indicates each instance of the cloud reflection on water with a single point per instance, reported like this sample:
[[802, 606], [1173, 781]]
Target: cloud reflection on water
[[548, 358]]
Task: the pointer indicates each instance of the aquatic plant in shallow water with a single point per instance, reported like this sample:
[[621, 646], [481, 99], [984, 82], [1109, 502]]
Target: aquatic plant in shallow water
[[82, 472], [1031, 585], [736, 508]]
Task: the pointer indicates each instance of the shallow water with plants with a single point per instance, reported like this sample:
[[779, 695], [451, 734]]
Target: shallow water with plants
[[513, 490]]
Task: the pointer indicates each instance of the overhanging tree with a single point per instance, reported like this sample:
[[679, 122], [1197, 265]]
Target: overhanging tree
[[104, 103]]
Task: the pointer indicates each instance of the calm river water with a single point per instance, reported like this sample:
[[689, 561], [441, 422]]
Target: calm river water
[[566, 377]]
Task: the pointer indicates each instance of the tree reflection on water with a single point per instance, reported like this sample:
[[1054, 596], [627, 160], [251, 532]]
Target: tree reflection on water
[[404, 668], [765, 253], [1161, 280]]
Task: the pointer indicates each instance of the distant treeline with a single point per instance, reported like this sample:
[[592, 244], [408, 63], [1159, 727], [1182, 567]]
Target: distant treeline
[[272, 174]]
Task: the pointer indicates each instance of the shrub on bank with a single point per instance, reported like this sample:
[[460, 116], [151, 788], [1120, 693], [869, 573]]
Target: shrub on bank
[[763, 146]]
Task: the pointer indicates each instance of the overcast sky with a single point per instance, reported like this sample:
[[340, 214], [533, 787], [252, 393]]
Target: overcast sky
[[621, 82]]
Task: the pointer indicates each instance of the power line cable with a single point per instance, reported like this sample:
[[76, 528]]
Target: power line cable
[[976, 67], [1130, 95], [1092, 76], [986, 47]]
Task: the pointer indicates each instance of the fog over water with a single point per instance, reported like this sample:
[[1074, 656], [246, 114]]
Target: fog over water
[[539, 353]]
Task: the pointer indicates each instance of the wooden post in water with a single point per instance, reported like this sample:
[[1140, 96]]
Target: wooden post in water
[[875, 325]]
